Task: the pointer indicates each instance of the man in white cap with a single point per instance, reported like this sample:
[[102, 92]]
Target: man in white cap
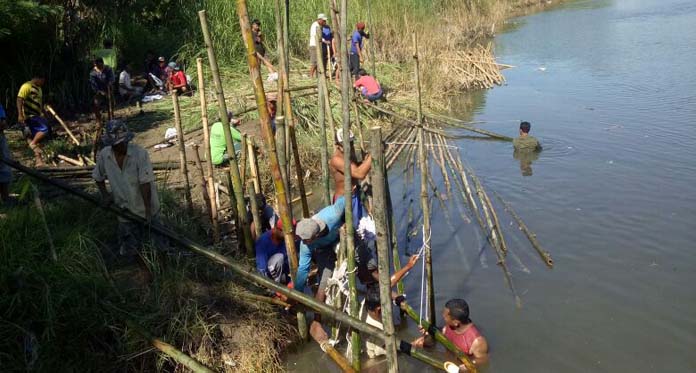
[[132, 182], [313, 31], [358, 172], [319, 236]]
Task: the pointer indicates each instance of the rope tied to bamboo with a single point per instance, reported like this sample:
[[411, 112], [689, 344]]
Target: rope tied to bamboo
[[424, 294]]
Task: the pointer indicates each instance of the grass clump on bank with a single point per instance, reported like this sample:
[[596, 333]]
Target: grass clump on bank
[[70, 315]]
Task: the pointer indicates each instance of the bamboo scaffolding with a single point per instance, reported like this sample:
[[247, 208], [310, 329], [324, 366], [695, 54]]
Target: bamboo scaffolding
[[182, 152], [210, 184], [543, 254], [216, 257], [169, 350], [425, 206], [65, 126], [222, 109], [380, 209], [348, 184], [266, 130]]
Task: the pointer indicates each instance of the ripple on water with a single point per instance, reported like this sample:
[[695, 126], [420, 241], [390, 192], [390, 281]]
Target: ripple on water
[[556, 147]]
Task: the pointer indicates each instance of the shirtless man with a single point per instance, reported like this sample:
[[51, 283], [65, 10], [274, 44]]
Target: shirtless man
[[357, 171]]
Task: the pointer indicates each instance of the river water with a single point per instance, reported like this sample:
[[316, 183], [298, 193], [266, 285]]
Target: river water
[[610, 90]]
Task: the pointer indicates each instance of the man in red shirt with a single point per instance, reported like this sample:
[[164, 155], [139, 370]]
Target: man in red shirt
[[178, 81], [368, 86], [461, 331]]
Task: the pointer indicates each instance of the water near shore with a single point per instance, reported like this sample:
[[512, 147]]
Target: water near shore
[[610, 89]]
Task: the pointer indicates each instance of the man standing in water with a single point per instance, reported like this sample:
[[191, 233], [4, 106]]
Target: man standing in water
[[526, 141], [461, 331], [358, 171]]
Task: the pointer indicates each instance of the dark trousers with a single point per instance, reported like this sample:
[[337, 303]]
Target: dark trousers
[[354, 64]]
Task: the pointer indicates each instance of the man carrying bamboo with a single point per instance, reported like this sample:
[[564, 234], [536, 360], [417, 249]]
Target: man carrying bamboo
[[132, 182], [358, 172]]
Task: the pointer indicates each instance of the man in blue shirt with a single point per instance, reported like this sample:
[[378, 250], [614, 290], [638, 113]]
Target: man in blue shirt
[[272, 256], [319, 235], [356, 48]]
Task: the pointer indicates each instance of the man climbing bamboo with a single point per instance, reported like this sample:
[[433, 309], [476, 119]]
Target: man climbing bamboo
[[358, 172]]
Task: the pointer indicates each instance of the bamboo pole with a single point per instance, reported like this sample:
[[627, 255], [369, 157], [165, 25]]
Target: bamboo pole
[[222, 108], [254, 209], [266, 130], [321, 116], [243, 158], [182, 151], [380, 209], [299, 172], [72, 161], [282, 55], [543, 254], [393, 232], [169, 350], [261, 298], [438, 336], [348, 187], [206, 146], [42, 215], [371, 43], [425, 206], [336, 356], [253, 167], [282, 160], [214, 256], [65, 126], [204, 191], [110, 99]]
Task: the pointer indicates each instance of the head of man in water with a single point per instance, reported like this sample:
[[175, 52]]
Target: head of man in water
[[524, 128], [456, 313]]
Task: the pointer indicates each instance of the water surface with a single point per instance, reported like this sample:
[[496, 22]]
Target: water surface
[[610, 90]]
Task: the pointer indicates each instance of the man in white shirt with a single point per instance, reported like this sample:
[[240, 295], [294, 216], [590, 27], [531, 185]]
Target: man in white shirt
[[132, 182], [313, 31], [126, 89]]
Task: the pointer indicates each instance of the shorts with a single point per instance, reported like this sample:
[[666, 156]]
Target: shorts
[[374, 97], [313, 56], [99, 100], [132, 236], [5, 170], [38, 124], [325, 258], [278, 268]]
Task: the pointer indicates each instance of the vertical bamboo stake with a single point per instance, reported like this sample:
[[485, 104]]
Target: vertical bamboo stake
[[267, 131], [286, 37], [253, 167], [372, 40], [282, 55], [199, 167], [182, 151], [392, 230], [42, 215], [222, 107], [299, 172], [206, 146], [254, 208], [423, 161], [348, 184], [110, 99], [321, 83], [381, 224], [243, 158], [282, 160]]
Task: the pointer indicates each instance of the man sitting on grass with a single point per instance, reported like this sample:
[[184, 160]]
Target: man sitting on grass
[[218, 144]]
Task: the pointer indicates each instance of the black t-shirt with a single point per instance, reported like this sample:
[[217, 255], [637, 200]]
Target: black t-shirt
[[258, 43]]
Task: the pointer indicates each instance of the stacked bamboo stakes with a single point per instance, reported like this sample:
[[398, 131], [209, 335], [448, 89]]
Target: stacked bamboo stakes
[[474, 68]]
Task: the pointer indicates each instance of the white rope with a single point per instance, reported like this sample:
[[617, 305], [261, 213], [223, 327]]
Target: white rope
[[424, 289]]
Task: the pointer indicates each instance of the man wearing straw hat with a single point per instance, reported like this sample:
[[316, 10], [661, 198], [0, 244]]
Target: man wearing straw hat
[[132, 182], [315, 29]]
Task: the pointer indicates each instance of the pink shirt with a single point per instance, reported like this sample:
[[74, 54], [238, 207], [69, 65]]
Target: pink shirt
[[369, 83], [463, 340]]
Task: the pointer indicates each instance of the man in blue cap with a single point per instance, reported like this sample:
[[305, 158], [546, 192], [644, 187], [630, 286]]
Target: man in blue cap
[[132, 182]]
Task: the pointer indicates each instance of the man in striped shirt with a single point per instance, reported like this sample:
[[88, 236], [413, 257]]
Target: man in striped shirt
[[30, 113]]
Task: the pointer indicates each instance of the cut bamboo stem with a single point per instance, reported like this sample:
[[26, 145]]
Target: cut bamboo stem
[[336, 356], [222, 110], [543, 254], [72, 161], [204, 189], [65, 126], [253, 167], [267, 131], [42, 215], [169, 350], [254, 209], [182, 151], [383, 244]]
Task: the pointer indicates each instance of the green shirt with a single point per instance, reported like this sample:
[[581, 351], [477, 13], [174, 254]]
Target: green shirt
[[218, 146], [108, 55], [526, 143]]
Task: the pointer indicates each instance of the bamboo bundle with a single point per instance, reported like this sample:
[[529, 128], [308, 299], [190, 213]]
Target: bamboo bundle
[[474, 68]]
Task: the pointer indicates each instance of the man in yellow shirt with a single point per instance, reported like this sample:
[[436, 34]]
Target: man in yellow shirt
[[30, 113]]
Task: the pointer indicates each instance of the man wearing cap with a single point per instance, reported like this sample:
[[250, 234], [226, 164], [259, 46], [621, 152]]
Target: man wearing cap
[[461, 331], [177, 81], [357, 172], [314, 30], [271, 254], [132, 182], [319, 236], [356, 48]]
